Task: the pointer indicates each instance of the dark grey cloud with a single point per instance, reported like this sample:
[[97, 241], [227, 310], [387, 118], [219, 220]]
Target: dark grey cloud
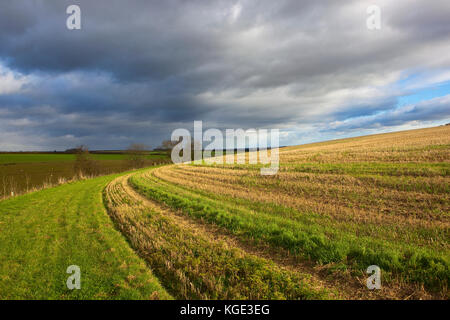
[[139, 69]]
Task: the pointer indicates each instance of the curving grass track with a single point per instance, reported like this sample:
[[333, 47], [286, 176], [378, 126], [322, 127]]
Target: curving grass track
[[44, 232]]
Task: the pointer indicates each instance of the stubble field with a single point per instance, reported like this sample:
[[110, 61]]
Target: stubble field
[[333, 209]]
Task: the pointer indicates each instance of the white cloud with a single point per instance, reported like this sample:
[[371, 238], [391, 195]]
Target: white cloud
[[235, 12], [11, 82]]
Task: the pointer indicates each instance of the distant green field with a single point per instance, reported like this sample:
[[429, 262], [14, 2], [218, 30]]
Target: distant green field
[[57, 157], [41, 157], [22, 172]]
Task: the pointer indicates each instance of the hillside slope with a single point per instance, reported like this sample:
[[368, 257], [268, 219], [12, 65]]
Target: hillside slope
[[334, 209]]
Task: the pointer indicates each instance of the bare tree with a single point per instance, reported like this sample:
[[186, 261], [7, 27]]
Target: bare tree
[[136, 154], [84, 164], [168, 145]]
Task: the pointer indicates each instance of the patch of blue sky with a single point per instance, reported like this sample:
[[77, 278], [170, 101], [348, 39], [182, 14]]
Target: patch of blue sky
[[422, 94]]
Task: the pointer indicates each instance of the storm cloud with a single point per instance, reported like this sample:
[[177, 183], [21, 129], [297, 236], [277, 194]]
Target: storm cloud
[[139, 69]]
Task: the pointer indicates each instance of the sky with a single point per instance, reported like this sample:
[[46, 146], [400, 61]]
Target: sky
[[137, 70]]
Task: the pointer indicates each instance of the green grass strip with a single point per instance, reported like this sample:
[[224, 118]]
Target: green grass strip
[[43, 233]]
